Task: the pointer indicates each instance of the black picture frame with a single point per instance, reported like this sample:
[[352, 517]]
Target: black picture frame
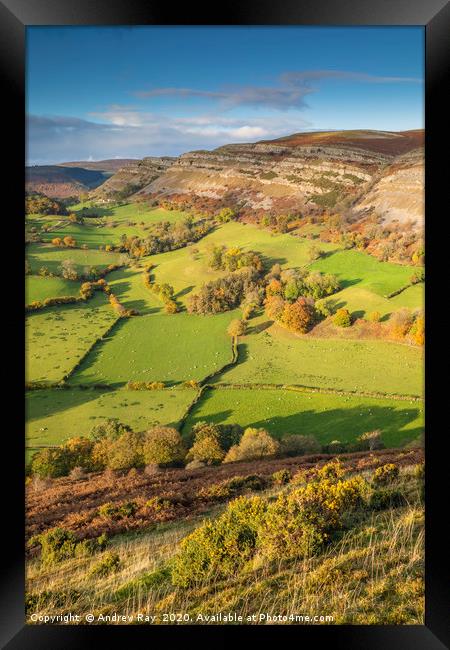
[[433, 15]]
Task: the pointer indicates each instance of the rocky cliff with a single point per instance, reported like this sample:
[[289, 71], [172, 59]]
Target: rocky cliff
[[372, 171], [132, 177]]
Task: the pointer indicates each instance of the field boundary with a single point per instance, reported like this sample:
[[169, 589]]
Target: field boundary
[[89, 350], [300, 388]]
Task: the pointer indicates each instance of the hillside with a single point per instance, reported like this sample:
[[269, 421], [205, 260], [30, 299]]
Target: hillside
[[212, 547], [132, 177], [109, 165], [68, 179], [303, 173], [62, 181]]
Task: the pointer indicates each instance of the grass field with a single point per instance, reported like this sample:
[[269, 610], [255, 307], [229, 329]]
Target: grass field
[[136, 212], [127, 284], [187, 269], [56, 339], [361, 301], [159, 347], [50, 256], [282, 358], [37, 288], [355, 268], [412, 297], [327, 417], [53, 416]]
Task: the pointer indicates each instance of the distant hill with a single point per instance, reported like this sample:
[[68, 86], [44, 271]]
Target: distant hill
[[109, 165], [71, 178]]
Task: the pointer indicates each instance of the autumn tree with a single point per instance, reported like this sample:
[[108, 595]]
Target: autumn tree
[[237, 327], [274, 306], [400, 322], [298, 316], [342, 318], [163, 446]]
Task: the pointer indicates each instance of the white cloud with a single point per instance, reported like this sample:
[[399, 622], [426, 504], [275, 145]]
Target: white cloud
[[129, 133]]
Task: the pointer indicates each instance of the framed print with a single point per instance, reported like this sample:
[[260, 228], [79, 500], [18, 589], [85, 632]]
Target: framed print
[[224, 337]]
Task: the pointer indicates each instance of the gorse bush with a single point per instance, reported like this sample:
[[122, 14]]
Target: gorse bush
[[281, 477], [221, 547], [110, 563], [58, 544], [293, 525], [385, 474], [117, 512]]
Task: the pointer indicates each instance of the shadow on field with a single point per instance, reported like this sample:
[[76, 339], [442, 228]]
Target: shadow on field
[[44, 403], [348, 282], [270, 261], [257, 329], [346, 424], [184, 291]]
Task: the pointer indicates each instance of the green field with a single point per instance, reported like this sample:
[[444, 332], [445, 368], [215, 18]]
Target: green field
[[159, 347], [37, 288], [50, 256], [362, 301], [327, 417], [187, 269], [412, 297], [127, 284], [364, 271], [56, 339], [135, 212], [131, 219], [361, 366], [54, 416]]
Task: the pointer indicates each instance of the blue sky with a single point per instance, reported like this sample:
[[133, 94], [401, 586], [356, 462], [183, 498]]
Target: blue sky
[[106, 92]]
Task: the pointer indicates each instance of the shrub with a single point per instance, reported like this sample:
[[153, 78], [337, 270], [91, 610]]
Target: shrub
[[385, 474], [220, 547], [342, 318], [386, 498], [111, 429], [163, 446], [400, 322], [335, 447], [125, 452], [374, 316], [237, 327], [151, 469], [117, 512], [207, 450], [254, 445], [370, 440], [195, 464], [57, 544], [109, 564], [298, 445], [77, 473], [50, 463], [79, 453], [417, 331], [160, 505], [281, 477], [331, 471], [298, 524]]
